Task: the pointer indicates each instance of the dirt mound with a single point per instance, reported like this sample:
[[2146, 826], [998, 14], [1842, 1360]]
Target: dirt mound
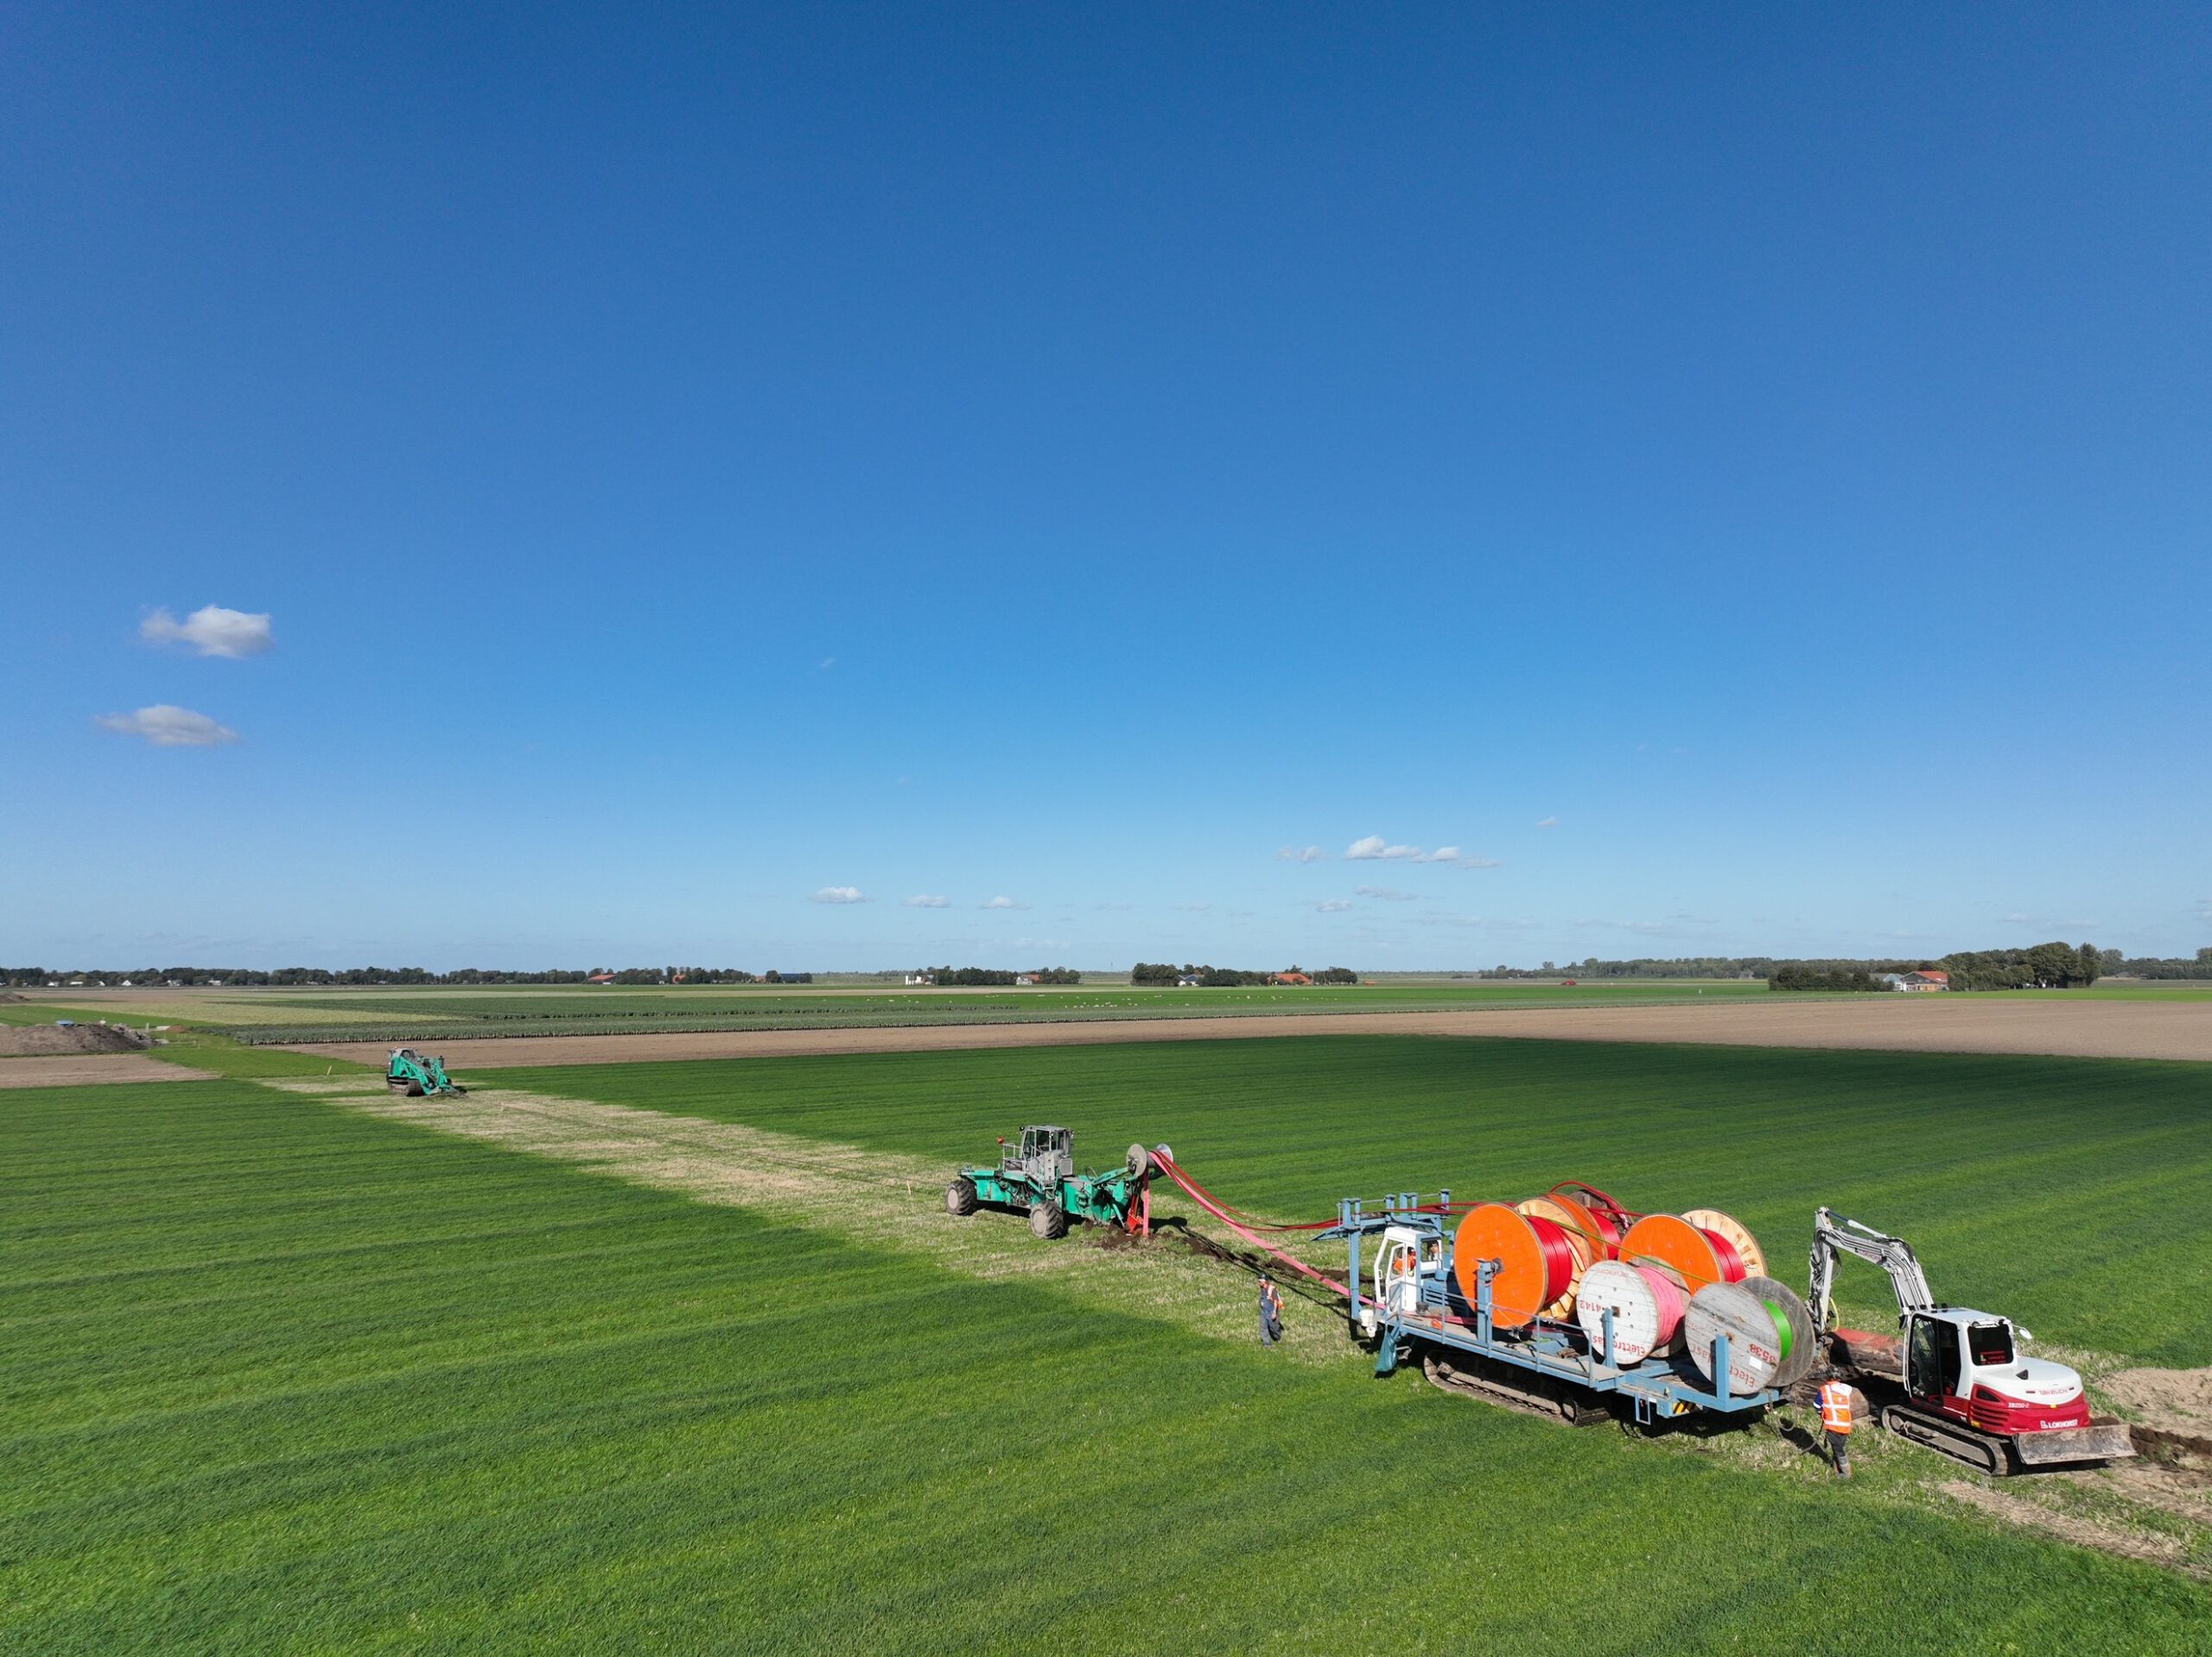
[[10, 995], [2175, 1401], [25, 1039]]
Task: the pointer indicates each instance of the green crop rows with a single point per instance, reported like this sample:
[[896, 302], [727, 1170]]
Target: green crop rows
[[281, 1376], [449, 1015]]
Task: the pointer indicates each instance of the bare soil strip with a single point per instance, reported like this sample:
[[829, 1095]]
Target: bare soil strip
[[878, 1200], [1929, 1024], [2106, 1533], [82, 1069]]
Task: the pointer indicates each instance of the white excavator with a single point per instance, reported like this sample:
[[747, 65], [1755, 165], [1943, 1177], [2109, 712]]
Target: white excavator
[[1959, 1383]]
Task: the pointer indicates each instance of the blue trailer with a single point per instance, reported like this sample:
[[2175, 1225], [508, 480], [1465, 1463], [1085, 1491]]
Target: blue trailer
[[1418, 1311]]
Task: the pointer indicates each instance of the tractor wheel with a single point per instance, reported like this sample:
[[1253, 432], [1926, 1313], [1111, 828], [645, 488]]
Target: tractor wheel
[[1048, 1220], [960, 1196]]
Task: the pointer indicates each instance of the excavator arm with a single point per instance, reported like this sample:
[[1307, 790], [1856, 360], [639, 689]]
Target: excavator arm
[[1833, 1234]]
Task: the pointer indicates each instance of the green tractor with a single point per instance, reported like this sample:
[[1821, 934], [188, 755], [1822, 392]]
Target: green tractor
[[1037, 1177], [416, 1074]]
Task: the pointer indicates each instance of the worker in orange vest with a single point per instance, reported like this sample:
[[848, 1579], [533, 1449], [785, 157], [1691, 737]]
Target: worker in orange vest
[[1836, 1423], [1270, 1311]]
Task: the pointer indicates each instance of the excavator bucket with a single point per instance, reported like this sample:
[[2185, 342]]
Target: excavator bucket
[[2104, 1439]]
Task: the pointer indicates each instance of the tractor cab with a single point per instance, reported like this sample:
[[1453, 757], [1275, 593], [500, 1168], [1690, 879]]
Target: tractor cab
[[1045, 1155], [1966, 1364]]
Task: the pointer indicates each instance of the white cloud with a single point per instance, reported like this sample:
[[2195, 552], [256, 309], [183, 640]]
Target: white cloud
[[170, 727], [1547, 822], [925, 901], [827, 662], [1301, 854], [1387, 894], [1373, 847], [1104, 908], [1003, 901], [1449, 857], [211, 630], [1333, 906], [1194, 909], [840, 895]]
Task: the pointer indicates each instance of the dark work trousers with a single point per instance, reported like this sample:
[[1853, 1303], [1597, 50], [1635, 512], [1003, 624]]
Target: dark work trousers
[[1840, 1453]]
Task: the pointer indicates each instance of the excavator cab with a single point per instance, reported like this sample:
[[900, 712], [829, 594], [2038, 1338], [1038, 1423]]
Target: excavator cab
[[1931, 1356]]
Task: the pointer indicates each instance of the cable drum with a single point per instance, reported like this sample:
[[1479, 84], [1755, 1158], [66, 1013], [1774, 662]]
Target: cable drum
[[1801, 1345], [1756, 1337], [1596, 1216], [1730, 1235], [1536, 1260], [1646, 1304], [1552, 1216], [1667, 1240]]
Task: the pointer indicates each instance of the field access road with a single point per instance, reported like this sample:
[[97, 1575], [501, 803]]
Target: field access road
[[1929, 1024]]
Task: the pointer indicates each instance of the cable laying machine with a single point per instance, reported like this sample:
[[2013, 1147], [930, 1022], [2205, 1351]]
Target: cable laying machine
[[1037, 1177], [1566, 1306], [416, 1073]]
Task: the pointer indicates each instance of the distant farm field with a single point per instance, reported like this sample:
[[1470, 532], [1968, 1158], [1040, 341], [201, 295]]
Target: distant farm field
[[285, 1373], [449, 1014]]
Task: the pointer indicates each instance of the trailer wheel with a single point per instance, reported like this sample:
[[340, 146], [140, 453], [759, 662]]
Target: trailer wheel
[[1048, 1220], [960, 1196]]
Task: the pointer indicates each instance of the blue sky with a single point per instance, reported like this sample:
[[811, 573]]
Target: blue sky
[[1740, 482]]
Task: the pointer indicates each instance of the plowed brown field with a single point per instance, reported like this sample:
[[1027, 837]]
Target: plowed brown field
[[2085, 1029]]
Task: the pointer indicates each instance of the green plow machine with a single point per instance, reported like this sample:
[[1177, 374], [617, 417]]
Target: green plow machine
[[1038, 1179], [416, 1074]]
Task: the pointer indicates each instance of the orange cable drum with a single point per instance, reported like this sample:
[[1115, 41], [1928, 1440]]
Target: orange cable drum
[[1533, 1270], [1568, 1221], [1668, 1241], [1737, 1234]]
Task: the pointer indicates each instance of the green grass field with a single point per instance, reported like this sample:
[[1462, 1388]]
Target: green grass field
[[280, 1375]]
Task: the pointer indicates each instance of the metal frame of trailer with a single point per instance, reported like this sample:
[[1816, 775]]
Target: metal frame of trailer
[[1660, 1389]]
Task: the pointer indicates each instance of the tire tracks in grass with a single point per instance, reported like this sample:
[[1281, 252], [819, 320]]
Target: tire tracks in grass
[[878, 1198]]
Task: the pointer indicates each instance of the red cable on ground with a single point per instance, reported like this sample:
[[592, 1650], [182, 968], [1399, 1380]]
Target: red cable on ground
[[1207, 1201]]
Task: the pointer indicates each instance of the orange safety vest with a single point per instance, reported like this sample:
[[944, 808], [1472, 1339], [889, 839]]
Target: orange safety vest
[[1835, 1407]]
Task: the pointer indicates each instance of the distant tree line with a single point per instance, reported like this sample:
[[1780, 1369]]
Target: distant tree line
[[2040, 966], [994, 977], [2119, 966], [1165, 974], [36, 977], [1699, 967], [1795, 977]]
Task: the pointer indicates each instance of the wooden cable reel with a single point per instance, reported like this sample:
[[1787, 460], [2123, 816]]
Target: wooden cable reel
[[1646, 1302], [1758, 1337], [1733, 1232], [1800, 1341], [1596, 1216]]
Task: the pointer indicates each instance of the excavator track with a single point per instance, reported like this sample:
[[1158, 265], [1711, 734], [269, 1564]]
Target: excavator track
[[1536, 1396], [1979, 1450]]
